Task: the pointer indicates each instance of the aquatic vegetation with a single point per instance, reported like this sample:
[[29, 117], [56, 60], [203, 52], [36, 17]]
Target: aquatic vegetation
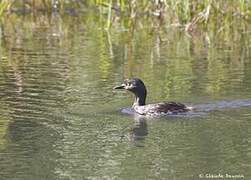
[[140, 30], [3, 6], [181, 13]]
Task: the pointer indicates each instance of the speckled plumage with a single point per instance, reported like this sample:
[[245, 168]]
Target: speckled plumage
[[163, 108], [137, 87]]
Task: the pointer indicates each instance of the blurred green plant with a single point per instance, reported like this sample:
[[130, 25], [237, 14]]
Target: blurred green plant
[[3, 6], [185, 13]]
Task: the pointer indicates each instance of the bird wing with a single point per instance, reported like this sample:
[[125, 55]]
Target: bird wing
[[163, 108]]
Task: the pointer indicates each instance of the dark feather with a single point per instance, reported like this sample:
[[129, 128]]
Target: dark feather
[[161, 108]]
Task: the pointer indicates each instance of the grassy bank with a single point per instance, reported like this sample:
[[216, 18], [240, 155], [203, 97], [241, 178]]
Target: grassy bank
[[188, 14]]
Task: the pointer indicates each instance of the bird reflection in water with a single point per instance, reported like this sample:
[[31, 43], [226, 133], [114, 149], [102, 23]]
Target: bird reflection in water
[[137, 132]]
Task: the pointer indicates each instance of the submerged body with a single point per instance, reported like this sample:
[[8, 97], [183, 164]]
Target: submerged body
[[137, 87]]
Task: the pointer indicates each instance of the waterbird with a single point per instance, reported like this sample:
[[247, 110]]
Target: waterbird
[[138, 88]]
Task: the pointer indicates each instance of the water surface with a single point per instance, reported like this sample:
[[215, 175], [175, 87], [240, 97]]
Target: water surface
[[60, 118]]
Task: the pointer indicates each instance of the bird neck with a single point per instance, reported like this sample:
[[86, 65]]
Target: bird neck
[[140, 99]]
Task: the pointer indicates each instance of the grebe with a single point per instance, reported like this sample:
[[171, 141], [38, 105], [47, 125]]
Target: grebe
[[137, 87]]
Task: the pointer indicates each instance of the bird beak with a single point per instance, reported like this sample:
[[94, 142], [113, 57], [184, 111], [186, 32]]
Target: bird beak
[[122, 86]]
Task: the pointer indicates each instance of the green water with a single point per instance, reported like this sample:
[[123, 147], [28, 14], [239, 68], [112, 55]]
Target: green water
[[60, 118]]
